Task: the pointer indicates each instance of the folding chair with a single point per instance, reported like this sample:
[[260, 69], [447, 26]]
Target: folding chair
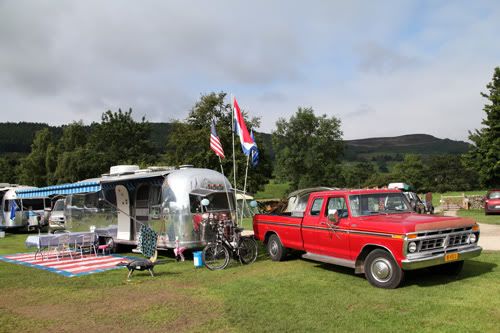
[[86, 243], [63, 246]]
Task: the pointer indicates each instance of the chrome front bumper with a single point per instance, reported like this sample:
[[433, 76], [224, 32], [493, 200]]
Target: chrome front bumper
[[438, 259]]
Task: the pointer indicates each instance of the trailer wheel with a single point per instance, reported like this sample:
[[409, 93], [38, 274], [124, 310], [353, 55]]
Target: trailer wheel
[[276, 250], [382, 271]]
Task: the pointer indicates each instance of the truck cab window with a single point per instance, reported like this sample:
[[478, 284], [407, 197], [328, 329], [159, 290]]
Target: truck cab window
[[316, 207], [339, 204]]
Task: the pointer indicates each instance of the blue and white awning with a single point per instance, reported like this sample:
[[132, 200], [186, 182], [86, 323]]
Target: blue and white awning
[[64, 189]]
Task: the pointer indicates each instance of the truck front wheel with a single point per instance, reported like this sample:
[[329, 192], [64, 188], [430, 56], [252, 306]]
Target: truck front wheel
[[275, 249], [382, 271]]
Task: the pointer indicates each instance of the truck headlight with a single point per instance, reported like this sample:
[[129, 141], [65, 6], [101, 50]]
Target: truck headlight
[[472, 238], [412, 247]]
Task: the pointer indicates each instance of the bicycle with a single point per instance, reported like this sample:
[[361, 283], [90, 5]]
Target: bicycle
[[228, 242]]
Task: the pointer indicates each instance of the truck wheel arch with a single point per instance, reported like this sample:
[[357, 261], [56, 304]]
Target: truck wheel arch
[[269, 234], [360, 260]]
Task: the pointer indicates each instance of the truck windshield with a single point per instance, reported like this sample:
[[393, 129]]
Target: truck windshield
[[378, 203], [59, 206]]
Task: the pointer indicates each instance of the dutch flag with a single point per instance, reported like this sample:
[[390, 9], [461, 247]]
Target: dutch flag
[[247, 143]]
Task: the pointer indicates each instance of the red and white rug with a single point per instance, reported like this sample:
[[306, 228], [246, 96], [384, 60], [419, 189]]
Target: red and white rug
[[66, 266]]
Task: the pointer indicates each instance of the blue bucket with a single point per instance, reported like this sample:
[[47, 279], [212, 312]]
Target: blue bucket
[[198, 259]]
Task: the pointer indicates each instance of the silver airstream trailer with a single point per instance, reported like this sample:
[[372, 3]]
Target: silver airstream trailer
[[166, 199], [21, 214]]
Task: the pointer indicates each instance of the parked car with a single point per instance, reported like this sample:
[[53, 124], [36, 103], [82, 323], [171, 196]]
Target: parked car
[[57, 220], [492, 202], [375, 232]]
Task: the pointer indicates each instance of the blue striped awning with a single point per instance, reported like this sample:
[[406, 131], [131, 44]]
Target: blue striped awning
[[64, 189]]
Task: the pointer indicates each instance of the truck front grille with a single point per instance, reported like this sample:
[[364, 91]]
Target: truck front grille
[[432, 244], [457, 240], [442, 239]]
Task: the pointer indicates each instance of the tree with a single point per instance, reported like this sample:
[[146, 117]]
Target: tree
[[411, 170], [308, 148], [357, 174], [33, 168], [447, 173], [188, 143], [484, 156], [118, 139], [8, 169], [73, 154]]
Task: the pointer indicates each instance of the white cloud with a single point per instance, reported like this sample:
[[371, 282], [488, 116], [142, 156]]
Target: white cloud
[[385, 68]]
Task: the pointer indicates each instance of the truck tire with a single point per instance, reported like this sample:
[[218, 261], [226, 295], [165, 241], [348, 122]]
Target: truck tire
[[382, 271], [275, 249]]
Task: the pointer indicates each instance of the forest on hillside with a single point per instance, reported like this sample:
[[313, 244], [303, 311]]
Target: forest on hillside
[[305, 150]]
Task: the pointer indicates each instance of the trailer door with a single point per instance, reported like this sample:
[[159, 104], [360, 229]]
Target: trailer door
[[123, 205]]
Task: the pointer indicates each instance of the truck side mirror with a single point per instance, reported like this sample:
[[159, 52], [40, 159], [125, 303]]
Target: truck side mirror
[[333, 216]]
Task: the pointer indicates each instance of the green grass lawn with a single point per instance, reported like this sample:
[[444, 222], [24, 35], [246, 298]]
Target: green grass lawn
[[478, 215], [273, 190], [291, 296]]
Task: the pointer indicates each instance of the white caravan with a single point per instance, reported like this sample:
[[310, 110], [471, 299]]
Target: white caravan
[[21, 214]]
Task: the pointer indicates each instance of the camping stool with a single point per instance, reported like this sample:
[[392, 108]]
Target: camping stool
[[106, 247]]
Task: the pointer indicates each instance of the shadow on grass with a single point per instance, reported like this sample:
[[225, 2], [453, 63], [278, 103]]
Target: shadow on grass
[[426, 277], [336, 269]]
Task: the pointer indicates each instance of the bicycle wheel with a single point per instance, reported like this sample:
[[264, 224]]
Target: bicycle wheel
[[247, 250], [215, 256]]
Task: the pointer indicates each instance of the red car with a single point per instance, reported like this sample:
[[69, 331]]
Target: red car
[[375, 232], [492, 202]]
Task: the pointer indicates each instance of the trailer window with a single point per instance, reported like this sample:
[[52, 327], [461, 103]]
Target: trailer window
[[35, 204], [8, 205], [218, 201]]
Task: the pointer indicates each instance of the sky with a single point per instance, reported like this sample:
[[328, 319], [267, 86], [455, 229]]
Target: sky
[[385, 68]]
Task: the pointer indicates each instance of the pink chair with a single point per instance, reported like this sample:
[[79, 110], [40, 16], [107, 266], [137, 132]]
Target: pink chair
[[106, 247], [179, 251]]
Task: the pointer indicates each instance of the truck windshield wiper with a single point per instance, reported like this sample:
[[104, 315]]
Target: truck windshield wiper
[[370, 212], [397, 210]]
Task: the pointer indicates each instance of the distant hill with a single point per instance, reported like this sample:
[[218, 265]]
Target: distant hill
[[421, 144], [16, 138]]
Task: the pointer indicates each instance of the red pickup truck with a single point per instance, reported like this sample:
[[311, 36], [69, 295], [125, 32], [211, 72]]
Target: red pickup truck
[[373, 231]]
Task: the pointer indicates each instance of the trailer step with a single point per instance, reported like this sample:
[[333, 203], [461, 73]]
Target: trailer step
[[328, 259]]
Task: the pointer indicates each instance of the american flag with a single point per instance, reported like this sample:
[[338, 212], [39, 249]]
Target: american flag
[[215, 144]]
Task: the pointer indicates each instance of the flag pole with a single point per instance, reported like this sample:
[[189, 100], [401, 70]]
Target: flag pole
[[234, 156], [244, 189], [225, 187]]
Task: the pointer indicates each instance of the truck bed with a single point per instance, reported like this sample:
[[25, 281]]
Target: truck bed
[[288, 227]]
